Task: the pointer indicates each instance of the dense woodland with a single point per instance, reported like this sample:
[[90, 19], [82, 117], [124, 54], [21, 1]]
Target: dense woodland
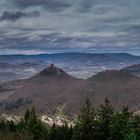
[[104, 124]]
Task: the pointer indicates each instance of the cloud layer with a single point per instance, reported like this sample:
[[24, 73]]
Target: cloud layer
[[64, 25], [13, 16]]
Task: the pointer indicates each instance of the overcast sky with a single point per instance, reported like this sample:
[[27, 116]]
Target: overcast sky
[[47, 26]]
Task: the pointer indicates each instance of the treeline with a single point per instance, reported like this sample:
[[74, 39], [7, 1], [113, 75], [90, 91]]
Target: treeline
[[15, 104], [103, 124]]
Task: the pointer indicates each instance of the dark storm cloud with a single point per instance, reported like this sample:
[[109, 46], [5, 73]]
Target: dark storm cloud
[[70, 24], [57, 5], [85, 5], [53, 5], [13, 16]]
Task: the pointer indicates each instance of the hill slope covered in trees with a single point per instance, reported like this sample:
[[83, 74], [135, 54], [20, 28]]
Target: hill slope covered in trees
[[53, 90]]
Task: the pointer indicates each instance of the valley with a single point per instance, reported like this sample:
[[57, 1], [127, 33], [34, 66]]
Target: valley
[[80, 65]]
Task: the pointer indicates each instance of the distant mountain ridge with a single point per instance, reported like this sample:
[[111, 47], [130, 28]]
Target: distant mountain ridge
[[72, 54], [77, 58], [80, 65]]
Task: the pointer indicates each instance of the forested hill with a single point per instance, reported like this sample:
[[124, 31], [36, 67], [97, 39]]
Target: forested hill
[[52, 90]]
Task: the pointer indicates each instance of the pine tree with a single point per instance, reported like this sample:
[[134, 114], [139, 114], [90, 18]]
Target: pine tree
[[120, 127], [33, 126], [131, 136], [27, 115], [84, 128], [135, 124], [65, 132], [3, 126], [11, 126], [104, 118], [53, 133]]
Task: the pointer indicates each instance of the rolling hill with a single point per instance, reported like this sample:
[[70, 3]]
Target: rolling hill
[[53, 90], [133, 69]]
